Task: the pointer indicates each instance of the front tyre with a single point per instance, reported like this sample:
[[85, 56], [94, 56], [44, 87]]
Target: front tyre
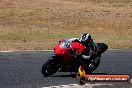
[[50, 67]]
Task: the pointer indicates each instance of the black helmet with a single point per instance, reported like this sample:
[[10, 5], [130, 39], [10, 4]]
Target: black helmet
[[85, 38]]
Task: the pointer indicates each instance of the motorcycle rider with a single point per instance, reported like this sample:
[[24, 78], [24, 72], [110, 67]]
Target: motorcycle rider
[[90, 44]]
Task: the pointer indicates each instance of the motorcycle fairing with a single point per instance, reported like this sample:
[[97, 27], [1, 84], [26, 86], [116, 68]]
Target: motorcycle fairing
[[65, 47]]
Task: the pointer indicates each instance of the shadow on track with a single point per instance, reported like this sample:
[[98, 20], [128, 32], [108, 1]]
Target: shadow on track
[[66, 75], [75, 75]]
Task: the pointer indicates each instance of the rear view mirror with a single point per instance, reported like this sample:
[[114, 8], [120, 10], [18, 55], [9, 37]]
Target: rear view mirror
[[59, 41]]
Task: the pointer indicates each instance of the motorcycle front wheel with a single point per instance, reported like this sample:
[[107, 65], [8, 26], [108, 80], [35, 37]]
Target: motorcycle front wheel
[[49, 68]]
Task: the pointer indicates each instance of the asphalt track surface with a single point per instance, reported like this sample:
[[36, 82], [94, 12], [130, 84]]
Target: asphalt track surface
[[22, 69]]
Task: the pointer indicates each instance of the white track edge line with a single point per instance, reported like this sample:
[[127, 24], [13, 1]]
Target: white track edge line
[[43, 50]]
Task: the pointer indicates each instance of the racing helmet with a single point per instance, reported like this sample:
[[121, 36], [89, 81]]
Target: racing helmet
[[85, 39]]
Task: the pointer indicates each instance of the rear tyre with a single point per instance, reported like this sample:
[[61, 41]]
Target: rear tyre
[[101, 48], [50, 67], [90, 70]]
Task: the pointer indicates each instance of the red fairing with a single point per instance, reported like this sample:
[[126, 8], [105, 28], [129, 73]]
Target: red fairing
[[78, 47], [61, 51], [64, 50]]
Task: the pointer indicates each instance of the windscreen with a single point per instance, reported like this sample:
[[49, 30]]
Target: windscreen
[[65, 43]]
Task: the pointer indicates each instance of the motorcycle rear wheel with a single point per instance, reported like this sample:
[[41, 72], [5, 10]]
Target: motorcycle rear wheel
[[90, 70]]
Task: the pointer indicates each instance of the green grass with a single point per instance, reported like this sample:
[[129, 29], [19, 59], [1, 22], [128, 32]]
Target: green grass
[[42, 28]]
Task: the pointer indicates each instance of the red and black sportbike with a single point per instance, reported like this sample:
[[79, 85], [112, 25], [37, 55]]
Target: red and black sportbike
[[68, 58]]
